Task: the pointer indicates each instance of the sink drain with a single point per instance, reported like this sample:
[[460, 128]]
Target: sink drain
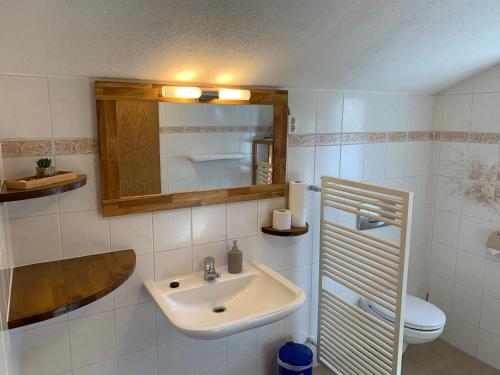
[[219, 309]]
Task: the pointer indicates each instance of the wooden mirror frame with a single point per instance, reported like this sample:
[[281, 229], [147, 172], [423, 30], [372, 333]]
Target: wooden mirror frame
[[113, 203]]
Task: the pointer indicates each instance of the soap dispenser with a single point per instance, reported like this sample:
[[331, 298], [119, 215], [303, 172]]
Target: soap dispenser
[[235, 259]]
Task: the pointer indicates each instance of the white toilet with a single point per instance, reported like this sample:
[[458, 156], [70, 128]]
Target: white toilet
[[424, 322]]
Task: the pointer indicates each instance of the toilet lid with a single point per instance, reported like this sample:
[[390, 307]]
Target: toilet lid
[[419, 314]]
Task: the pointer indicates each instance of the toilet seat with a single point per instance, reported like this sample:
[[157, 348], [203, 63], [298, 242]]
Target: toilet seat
[[420, 315]]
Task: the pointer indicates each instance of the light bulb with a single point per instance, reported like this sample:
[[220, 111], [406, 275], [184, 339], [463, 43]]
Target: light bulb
[[181, 92], [233, 94]]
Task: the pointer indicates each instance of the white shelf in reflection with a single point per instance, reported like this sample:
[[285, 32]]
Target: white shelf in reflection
[[211, 157]]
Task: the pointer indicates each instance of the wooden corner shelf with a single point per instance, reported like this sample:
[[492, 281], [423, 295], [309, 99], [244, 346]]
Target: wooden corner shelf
[[45, 290], [294, 231], [10, 195]]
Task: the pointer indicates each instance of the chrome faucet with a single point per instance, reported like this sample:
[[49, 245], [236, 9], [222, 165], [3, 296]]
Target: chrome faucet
[[209, 269]]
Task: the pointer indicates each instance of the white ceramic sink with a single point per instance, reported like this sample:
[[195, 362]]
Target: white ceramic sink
[[253, 298]]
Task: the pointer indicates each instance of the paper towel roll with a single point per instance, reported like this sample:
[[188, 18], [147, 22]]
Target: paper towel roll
[[282, 219], [297, 191]]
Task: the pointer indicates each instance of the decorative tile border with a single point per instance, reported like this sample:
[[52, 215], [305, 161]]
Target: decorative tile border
[[172, 129], [325, 139], [331, 139], [397, 137], [375, 138], [36, 147], [75, 146], [421, 136], [304, 140], [451, 136], [353, 138], [484, 138], [87, 146], [214, 129], [45, 147]]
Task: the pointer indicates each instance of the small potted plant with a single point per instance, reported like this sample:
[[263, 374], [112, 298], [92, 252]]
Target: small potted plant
[[44, 168]]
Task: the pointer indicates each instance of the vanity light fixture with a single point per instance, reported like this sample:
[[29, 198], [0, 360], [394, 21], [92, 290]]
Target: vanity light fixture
[[225, 94], [181, 92], [184, 92]]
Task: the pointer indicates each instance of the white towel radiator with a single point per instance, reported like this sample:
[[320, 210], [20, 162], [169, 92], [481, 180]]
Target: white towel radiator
[[356, 264]]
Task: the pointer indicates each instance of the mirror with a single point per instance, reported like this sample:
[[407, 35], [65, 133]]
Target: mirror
[[159, 153], [212, 146]]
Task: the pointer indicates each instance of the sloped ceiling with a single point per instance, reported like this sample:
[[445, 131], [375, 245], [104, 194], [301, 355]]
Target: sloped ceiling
[[390, 45]]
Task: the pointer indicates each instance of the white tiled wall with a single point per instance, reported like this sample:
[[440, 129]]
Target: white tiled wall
[[123, 333], [464, 280], [407, 165], [126, 326]]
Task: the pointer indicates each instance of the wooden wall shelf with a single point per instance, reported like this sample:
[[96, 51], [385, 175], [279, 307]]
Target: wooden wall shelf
[[10, 195], [294, 231], [45, 290]]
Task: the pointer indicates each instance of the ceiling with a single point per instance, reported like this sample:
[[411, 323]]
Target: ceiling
[[387, 45]]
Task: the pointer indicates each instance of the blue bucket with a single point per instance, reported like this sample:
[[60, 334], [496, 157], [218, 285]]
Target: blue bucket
[[295, 359]]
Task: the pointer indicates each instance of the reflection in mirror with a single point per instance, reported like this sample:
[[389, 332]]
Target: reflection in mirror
[[210, 146]]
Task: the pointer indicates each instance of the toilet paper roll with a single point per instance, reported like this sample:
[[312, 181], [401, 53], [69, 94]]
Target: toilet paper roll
[[282, 219], [494, 252], [493, 244], [297, 191]]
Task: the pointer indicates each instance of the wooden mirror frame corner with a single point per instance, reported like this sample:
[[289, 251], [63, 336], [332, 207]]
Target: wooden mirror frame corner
[[114, 203]]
